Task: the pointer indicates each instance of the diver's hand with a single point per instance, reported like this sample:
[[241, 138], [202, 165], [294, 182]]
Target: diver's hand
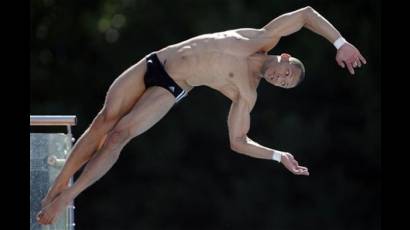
[[348, 55], [292, 165]]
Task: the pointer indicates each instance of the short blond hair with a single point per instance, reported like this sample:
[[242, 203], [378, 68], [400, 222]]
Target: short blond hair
[[299, 64]]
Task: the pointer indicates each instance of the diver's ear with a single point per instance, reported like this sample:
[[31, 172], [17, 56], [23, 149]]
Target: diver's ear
[[285, 57]]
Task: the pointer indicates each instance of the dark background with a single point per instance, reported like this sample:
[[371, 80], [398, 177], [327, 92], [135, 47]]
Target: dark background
[[181, 174]]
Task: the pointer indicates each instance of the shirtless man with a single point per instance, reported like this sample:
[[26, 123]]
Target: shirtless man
[[232, 62]]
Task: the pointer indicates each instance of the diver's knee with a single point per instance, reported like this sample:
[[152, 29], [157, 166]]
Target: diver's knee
[[118, 137]]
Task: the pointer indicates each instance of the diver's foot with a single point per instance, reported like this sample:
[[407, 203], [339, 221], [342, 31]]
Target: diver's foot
[[48, 214]]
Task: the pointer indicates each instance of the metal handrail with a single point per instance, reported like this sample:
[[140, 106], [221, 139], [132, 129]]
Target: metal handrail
[[54, 120]]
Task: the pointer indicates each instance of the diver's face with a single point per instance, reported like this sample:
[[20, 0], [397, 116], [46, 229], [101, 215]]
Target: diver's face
[[282, 74]]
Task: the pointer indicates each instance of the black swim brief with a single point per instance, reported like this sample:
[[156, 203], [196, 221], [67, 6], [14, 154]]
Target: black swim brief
[[157, 76]]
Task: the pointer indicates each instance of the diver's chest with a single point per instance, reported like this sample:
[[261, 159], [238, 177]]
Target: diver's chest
[[227, 65]]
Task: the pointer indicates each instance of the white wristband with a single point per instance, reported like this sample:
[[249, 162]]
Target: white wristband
[[276, 156], [339, 42]]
